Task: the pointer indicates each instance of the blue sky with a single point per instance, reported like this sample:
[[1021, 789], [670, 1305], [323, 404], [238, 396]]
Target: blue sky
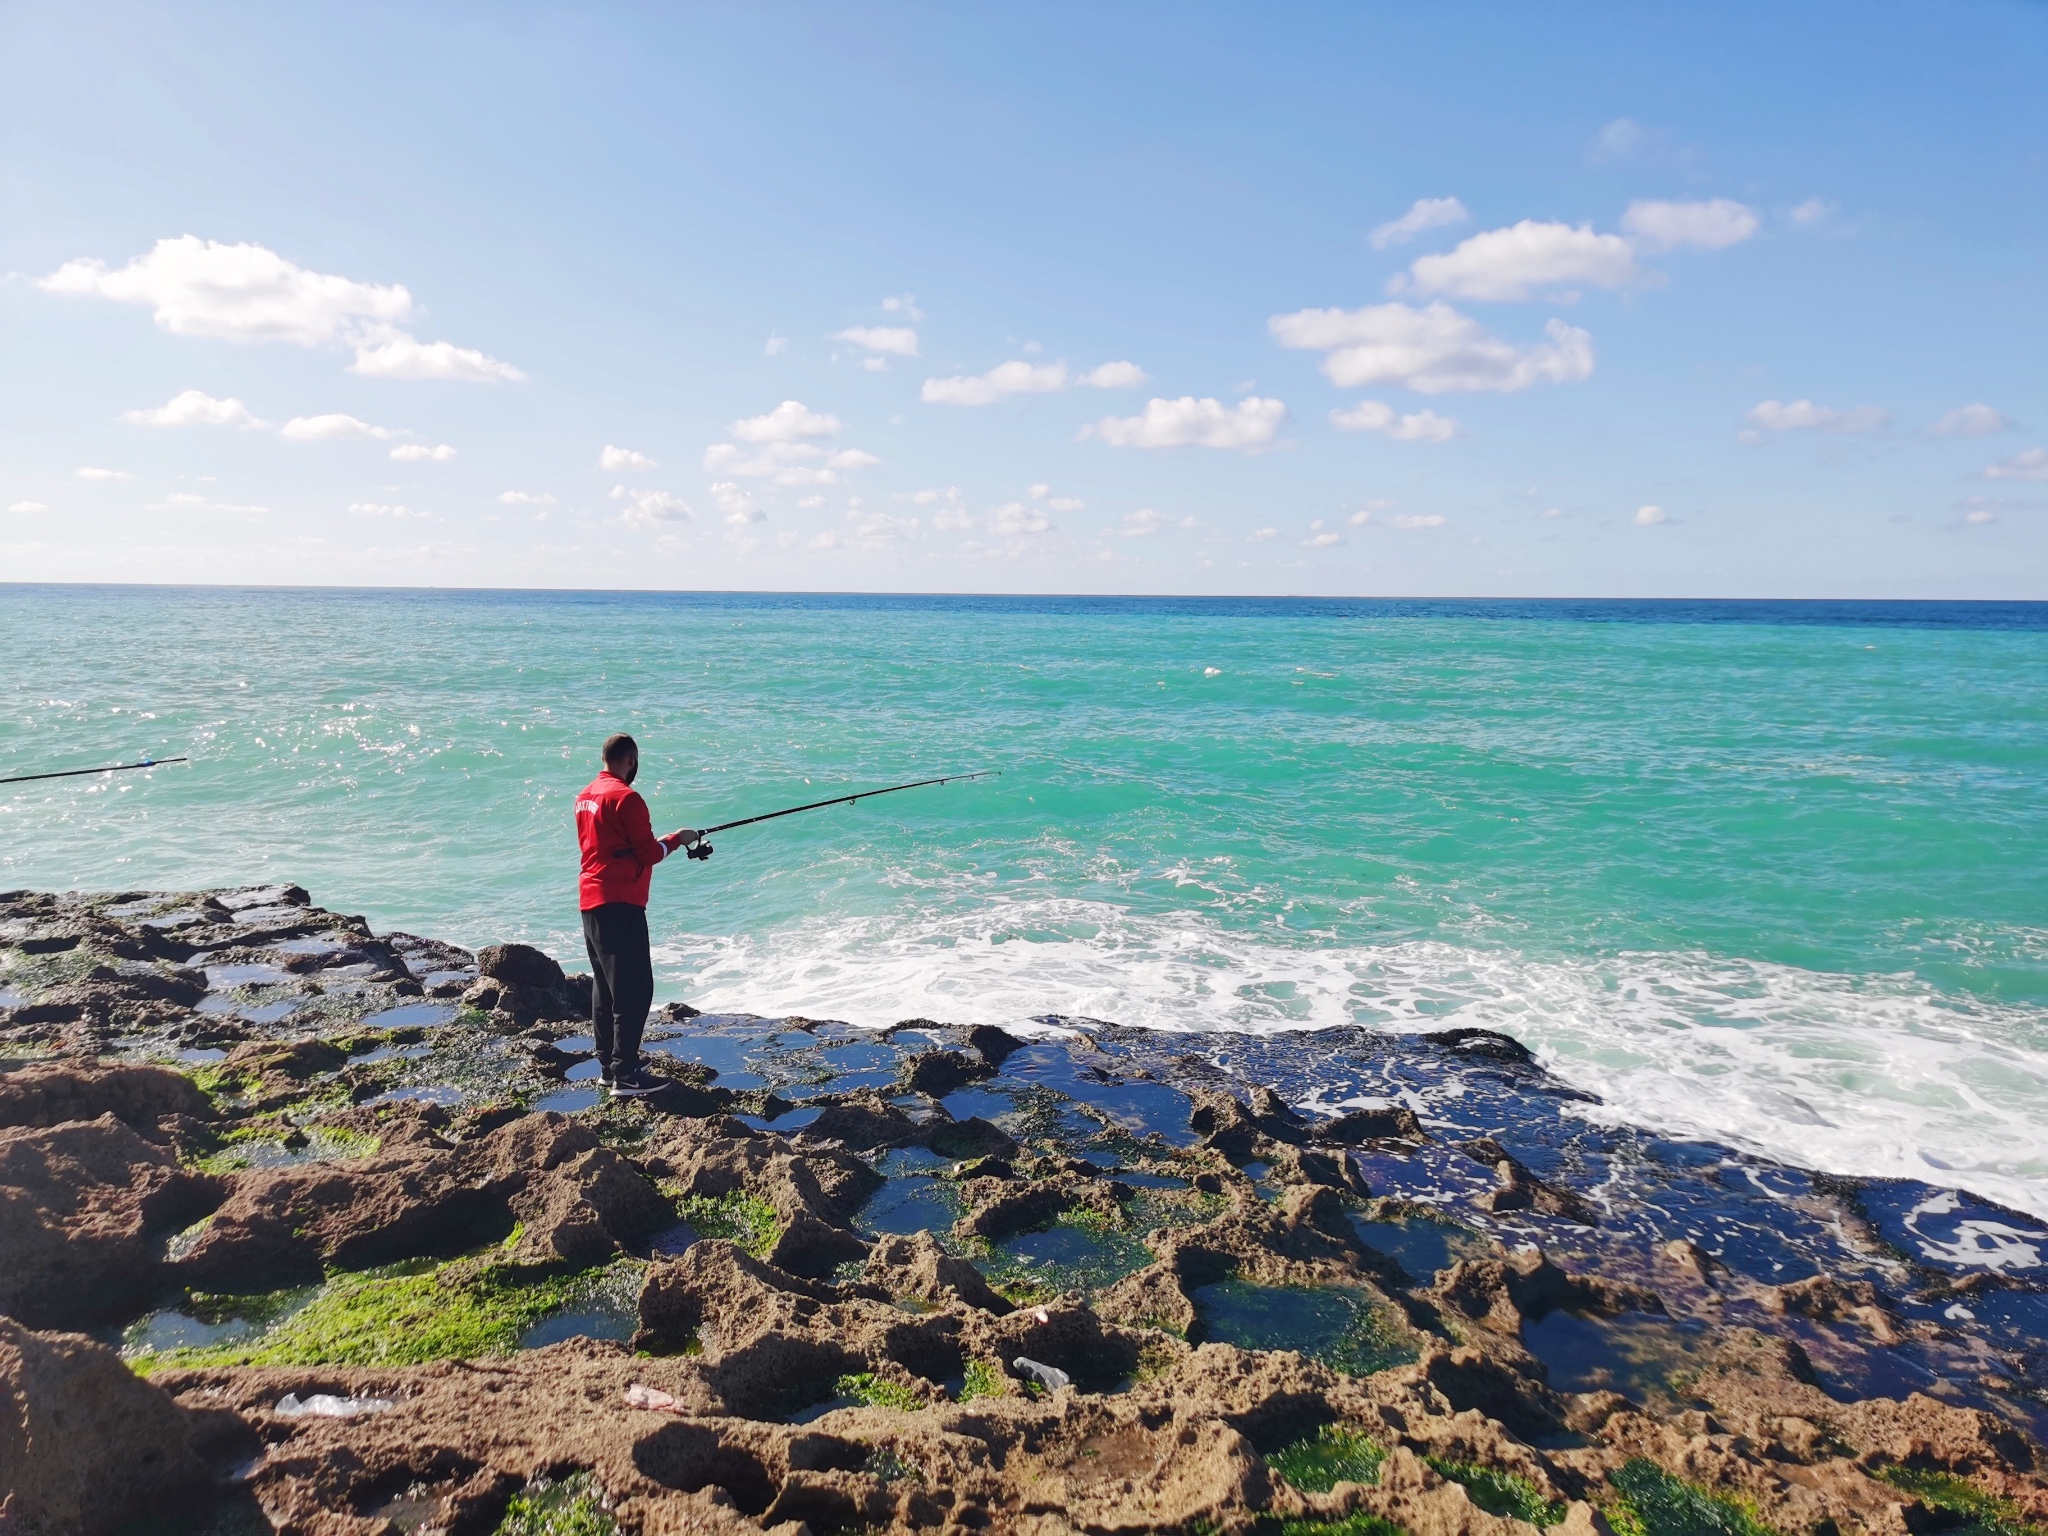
[[1629, 300]]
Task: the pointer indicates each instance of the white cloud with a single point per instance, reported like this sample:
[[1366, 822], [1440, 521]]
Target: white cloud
[[1422, 520], [377, 509], [1980, 515], [1552, 513], [1322, 540], [1619, 139], [787, 423], [186, 501], [1433, 350], [249, 293], [1014, 517], [782, 453], [615, 459], [807, 502], [1000, 382], [332, 427], [1416, 427], [236, 292], [28, 506], [784, 463], [737, 504], [526, 498], [886, 340], [384, 353], [1425, 213], [776, 346], [2028, 464], [1814, 210], [904, 304], [881, 527], [1805, 416], [1022, 378], [1248, 426], [1117, 375], [1139, 524], [90, 473], [650, 509], [1971, 421], [413, 453], [1649, 517], [952, 509], [196, 408], [1260, 535], [1706, 226], [1516, 262]]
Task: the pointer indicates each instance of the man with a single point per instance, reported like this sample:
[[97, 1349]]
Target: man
[[620, 851]]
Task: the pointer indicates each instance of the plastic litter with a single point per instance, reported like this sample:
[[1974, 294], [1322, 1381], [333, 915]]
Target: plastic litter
[[324, 1405], [640, 1395], [1041, 1315], [1050, 1377]]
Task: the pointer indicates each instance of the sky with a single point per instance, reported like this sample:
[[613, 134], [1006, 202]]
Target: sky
[[1472, 299]]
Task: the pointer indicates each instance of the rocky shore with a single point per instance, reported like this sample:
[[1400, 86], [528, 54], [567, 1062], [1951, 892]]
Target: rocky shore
[[313, 1230]]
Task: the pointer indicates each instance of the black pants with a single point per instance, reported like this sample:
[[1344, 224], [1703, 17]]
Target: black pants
[[622, 981]]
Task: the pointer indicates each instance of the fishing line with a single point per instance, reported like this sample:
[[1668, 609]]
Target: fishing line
[[73, 773]]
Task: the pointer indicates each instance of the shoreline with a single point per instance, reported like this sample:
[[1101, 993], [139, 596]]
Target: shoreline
[[1183, 1225]]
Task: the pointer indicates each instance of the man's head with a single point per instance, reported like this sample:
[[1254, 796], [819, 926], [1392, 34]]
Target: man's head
[[622, 756]]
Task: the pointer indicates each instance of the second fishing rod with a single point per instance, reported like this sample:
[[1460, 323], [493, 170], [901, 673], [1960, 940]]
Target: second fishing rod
[[700, 849]]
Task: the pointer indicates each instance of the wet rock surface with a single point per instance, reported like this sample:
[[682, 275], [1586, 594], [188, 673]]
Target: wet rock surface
[[357, 1247]]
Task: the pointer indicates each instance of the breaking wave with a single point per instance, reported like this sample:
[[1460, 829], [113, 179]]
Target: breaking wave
[[1866, 1075]]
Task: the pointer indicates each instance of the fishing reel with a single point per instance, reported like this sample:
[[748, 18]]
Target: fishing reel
[[699, 850]]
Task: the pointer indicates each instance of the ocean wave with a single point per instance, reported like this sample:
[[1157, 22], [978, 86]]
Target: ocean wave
[[1861, 1075]]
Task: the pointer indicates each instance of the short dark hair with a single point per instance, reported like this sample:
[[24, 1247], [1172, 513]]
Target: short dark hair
[[618, 747]]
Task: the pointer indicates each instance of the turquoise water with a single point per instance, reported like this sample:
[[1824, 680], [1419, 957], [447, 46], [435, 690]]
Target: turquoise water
[[1776, 881]]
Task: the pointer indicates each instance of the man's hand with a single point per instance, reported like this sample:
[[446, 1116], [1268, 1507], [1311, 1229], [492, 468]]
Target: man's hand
[[691, 839]]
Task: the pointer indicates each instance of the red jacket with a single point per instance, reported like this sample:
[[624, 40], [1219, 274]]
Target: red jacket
[[619, 847]]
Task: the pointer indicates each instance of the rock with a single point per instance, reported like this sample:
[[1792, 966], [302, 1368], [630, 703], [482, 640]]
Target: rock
[[1486, 1044], [1521, 1190], [287, 1225], [520, 964], [1396, 1122], [141, 1098], [918, 1268], [1828, 1300], [85, 1445], [80, 1205], [938, 1073], [993, 1045]]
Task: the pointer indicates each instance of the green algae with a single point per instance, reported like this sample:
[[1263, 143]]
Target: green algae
[[406, 1315], [878, 1393], [1654, 1503], [572, 1506], [1345, 1327], [1359, 1524], [1500, 1493], [984, 1378], [741, 1218], [1334, 1454], [1984, 1514]]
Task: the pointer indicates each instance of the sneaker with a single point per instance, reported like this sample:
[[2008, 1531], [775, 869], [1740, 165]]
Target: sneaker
[[604, 1077], [633, 1082]]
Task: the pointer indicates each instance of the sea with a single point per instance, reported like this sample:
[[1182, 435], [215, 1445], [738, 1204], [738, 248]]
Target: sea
[[1769, 874]]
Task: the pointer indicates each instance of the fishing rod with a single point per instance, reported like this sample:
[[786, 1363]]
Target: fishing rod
[[702, 850], [73, 773]]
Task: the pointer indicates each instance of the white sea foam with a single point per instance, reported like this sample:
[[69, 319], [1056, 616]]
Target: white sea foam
[[1866, 1075]]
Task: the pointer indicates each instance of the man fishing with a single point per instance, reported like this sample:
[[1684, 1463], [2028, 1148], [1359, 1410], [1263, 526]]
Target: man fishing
[[620, 850]]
